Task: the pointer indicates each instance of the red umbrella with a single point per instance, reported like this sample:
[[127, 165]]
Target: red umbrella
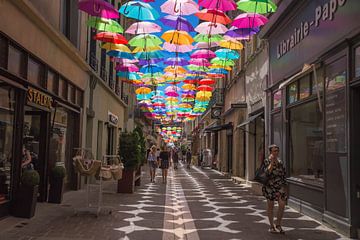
[[206, 81], [205, 88], [111, 37], [213, 15], [190, 81]]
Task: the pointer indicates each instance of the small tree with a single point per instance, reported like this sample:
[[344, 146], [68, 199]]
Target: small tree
[[129, 150], [142, 144]]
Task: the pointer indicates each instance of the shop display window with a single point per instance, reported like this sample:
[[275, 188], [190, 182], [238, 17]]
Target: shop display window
[[304, 88], [277, 99], [293, 93], [276, 129], [306, 143], [7, 100], [357, 62]]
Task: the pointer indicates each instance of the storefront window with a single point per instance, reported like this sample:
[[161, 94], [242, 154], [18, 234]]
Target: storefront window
[[7, 99], [259, 141], [292, 93], [59, 121], [304, 87], [277, 99], [306, 143], [276, 128], [357, 62]]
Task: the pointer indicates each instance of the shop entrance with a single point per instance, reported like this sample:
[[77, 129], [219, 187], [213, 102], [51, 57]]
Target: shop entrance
[[35, 142]]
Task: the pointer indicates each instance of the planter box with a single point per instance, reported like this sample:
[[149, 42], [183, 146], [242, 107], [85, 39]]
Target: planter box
[[130, 178], [56, 190], [25, 202]]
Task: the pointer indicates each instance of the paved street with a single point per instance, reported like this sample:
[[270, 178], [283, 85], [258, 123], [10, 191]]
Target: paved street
[[195, 204]]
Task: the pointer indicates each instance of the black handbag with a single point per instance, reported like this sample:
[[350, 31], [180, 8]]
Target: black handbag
[[261, 176]]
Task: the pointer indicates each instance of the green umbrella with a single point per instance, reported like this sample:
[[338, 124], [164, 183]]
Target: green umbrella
[[145, 40], [153, 75], [257, 6], [105, 25], [223, 62], [197, 68], [208, 38]]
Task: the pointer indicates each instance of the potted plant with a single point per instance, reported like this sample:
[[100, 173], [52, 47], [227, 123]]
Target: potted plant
[[142, 144], [26, 197], [56, 180], [129, 152]]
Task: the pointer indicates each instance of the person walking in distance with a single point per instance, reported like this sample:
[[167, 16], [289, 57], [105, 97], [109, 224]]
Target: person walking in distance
[[152, 162], [175, 158], [164, 157], [275, 188], [188, 158]]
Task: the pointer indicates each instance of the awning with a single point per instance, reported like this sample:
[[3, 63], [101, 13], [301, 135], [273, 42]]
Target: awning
[[307, 68], [250, 119], [218, 127]]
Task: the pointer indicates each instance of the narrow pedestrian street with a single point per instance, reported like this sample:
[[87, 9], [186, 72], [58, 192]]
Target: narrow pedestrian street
[[194, 204]]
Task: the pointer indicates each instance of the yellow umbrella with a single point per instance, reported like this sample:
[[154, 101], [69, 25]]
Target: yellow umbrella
[[220, 66], [189, 87], [175, 69], [172, 99], [136, 82], [147, 49], [143, 90], [116, 47], [177, 37], [231, 44]]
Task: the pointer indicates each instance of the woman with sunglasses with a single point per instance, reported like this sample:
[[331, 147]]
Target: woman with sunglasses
[[275, 188]]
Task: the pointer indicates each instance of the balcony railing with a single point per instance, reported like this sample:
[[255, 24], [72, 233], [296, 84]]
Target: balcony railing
[[125, 99], [103, 73], [111, 82], [217, 98], [93, 62]]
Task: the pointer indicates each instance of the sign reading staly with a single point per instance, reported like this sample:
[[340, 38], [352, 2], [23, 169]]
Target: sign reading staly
[[38, 98], [325, 12]]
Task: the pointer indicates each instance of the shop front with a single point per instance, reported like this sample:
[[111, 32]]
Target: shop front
[[39, 121], [312, 105]]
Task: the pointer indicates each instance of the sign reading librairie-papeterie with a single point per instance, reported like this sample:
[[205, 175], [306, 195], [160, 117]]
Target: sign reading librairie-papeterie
[[39, 98], [325, 12]]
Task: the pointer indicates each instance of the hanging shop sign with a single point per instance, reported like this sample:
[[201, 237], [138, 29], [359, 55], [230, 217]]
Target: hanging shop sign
[[113, 119], [39, 99], [310, 29]]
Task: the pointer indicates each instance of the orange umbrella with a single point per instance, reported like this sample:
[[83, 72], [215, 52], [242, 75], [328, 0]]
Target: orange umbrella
[[213, 15]]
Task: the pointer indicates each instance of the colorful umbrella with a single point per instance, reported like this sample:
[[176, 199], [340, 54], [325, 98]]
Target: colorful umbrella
[[139, 10], [227, 54], [179, 7], [206, 81], [151, 68], [208, 38], [222, 5], [199, 62], [257, 6], [205, 88], [213, 15], [241, 32], [188, 87], [145, 40], [177, 22], [143, 90], [143, 27], [210, 28], [203, 54], [149, 55], [119, 54], [175, 69], [231, 44], [206, 45], [128, 75], [177, 48], [147, 49], [116, 47], [104, 25], [111, 37], [127, 68], [249, 20], [98, 8], [176, 61], [177, 37]]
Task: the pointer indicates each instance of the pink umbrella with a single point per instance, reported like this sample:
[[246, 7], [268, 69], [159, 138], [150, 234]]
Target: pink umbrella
[[210, 28], [206, 45], [200, 62], [172, 89], [177, 48], [147, 1], [143, 27], [203, 53], [249, 20], [172, 94], [222, 5], [98, 8], [179, 7], [127, 68], [124, 61]]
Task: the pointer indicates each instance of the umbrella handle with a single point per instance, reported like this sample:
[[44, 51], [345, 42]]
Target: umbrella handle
[[177, 10], [125, 9], [97, 8]]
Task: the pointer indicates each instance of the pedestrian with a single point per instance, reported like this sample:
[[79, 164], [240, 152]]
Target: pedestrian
[[275, 188], [164, 157], [175, 158], [152, 162], [188, 158]]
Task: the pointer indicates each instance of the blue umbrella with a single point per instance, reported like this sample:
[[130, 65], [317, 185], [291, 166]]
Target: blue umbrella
[[151, 68], [119, 54], [219, 70], [128, 75], [227, 54], [176, 61], [139, 10]]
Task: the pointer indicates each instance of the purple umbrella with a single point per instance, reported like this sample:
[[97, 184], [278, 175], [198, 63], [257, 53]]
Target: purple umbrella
[[200, 62], [150, 61], [206, 45], [178, 23], [176, 61], [98, 8], [241, 32]]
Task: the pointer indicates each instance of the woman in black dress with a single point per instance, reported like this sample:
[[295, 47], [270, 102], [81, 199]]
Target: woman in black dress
[[275, 188], [164, 162]]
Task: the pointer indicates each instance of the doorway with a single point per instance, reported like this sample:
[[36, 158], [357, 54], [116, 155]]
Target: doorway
[[35, 140]]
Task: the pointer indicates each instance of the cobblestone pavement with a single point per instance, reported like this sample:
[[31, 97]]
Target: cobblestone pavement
[[195, 204]]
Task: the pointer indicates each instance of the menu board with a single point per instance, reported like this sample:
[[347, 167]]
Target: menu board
[[335, 121]]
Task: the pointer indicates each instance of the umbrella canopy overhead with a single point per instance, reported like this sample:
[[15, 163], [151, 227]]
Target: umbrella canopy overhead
[[257, 6], [143, 27], [139, 10], [98, 8], [111, 37], [222, 5], [249, 20], [177, 37], [213, 15], [145, 40], [211, 28], [178, 23], [104, 24], [179, 7]]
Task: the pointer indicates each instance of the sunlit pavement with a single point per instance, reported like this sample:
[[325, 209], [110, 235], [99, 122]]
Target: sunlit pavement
[[194, 204]]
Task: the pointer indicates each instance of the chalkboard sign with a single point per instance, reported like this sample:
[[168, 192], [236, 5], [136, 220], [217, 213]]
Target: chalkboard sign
[[335, 121]]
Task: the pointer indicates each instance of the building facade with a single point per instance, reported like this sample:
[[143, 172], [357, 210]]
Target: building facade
[[313, 106]]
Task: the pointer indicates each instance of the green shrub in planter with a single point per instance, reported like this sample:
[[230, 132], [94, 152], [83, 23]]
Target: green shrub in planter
[[30, 178], [58, 172]]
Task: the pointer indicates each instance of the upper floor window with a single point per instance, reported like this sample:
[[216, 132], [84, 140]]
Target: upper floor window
[[277, 99], [36, 72], [357, 62]]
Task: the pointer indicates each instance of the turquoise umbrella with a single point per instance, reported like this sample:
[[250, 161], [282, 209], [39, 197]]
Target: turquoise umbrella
[[227, 54], [119, 54], [149, 55], [139, 10], [128, 75]]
